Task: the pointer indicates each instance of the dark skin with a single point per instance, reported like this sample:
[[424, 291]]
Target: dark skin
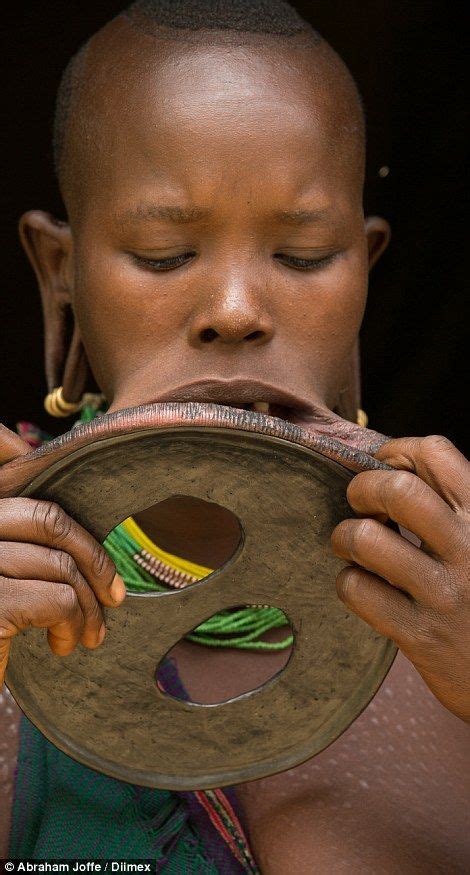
[[256, 289]]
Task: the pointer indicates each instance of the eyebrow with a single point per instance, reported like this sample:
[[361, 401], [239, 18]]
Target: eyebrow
[[185, 215], [301, 217], [165, 212]]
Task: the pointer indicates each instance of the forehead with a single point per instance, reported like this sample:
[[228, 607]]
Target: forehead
[[170, 113]]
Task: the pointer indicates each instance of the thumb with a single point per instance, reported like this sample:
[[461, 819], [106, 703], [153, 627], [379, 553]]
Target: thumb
[[11, 445]]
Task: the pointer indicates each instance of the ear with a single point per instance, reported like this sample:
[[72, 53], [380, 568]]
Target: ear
[[48, 244], [49, 247], [378, 233]]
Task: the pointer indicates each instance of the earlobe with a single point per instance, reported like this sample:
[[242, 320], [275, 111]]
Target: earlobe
[[48, 245], [378, 233]]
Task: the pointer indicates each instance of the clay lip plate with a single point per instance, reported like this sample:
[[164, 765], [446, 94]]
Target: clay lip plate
[[277, 479]]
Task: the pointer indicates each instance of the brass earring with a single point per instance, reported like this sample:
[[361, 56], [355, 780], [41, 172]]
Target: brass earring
[[56, 405]]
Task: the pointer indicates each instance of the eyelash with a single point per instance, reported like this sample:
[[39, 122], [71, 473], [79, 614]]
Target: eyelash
[[175, 261], [305, 263], [161, 264]]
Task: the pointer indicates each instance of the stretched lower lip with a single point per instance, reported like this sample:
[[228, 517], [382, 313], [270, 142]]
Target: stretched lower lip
[[280, 411]]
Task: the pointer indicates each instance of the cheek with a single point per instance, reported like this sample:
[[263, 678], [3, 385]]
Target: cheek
[[326, 325], [123, 320], [329, 305], [346, 296]]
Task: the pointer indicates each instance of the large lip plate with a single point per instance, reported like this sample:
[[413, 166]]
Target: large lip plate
[[369, 683]]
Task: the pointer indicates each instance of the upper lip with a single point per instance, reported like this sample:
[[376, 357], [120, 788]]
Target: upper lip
[[238, 391]]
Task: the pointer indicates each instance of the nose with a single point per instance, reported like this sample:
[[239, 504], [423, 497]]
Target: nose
[[231, 316]]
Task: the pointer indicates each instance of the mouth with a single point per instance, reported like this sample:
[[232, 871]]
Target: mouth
[[254, 396]]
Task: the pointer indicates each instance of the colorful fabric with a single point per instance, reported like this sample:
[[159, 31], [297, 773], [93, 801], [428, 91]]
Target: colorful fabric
[[32, 434], [63, 809]]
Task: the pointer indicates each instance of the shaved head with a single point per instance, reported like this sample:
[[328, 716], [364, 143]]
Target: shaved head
[[107, 77]]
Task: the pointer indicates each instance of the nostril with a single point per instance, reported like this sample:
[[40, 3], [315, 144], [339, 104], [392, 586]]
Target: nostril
[[208, 335]]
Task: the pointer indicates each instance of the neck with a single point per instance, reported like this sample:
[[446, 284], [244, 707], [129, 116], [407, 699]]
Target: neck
[[197, 530]]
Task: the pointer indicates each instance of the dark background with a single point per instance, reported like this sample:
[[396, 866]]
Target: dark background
[[407, 58]]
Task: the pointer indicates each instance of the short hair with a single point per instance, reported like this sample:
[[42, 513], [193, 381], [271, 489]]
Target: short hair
[[251, 16], [200, 19]]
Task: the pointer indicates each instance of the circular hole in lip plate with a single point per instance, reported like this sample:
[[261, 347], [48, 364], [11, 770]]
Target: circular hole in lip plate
[[206, 676]]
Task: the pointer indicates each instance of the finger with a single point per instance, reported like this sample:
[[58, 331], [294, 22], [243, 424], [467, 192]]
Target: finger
[[409, 501], [435, 460], [11, 445], [42, 604], [22, 561], [45, 523], [384, 608], [62, 643], [378, 549]]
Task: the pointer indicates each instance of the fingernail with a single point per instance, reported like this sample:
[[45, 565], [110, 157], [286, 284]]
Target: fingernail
[[117, 589], [101, 633]]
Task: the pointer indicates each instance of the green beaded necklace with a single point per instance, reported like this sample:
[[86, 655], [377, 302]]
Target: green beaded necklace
[[241, 628]]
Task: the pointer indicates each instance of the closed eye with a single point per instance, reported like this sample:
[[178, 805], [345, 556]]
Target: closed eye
[[305, 263], [169, 263], [175, 261]]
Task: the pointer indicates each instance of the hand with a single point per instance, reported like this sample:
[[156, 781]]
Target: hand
[[419, 597], [53, 574]]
